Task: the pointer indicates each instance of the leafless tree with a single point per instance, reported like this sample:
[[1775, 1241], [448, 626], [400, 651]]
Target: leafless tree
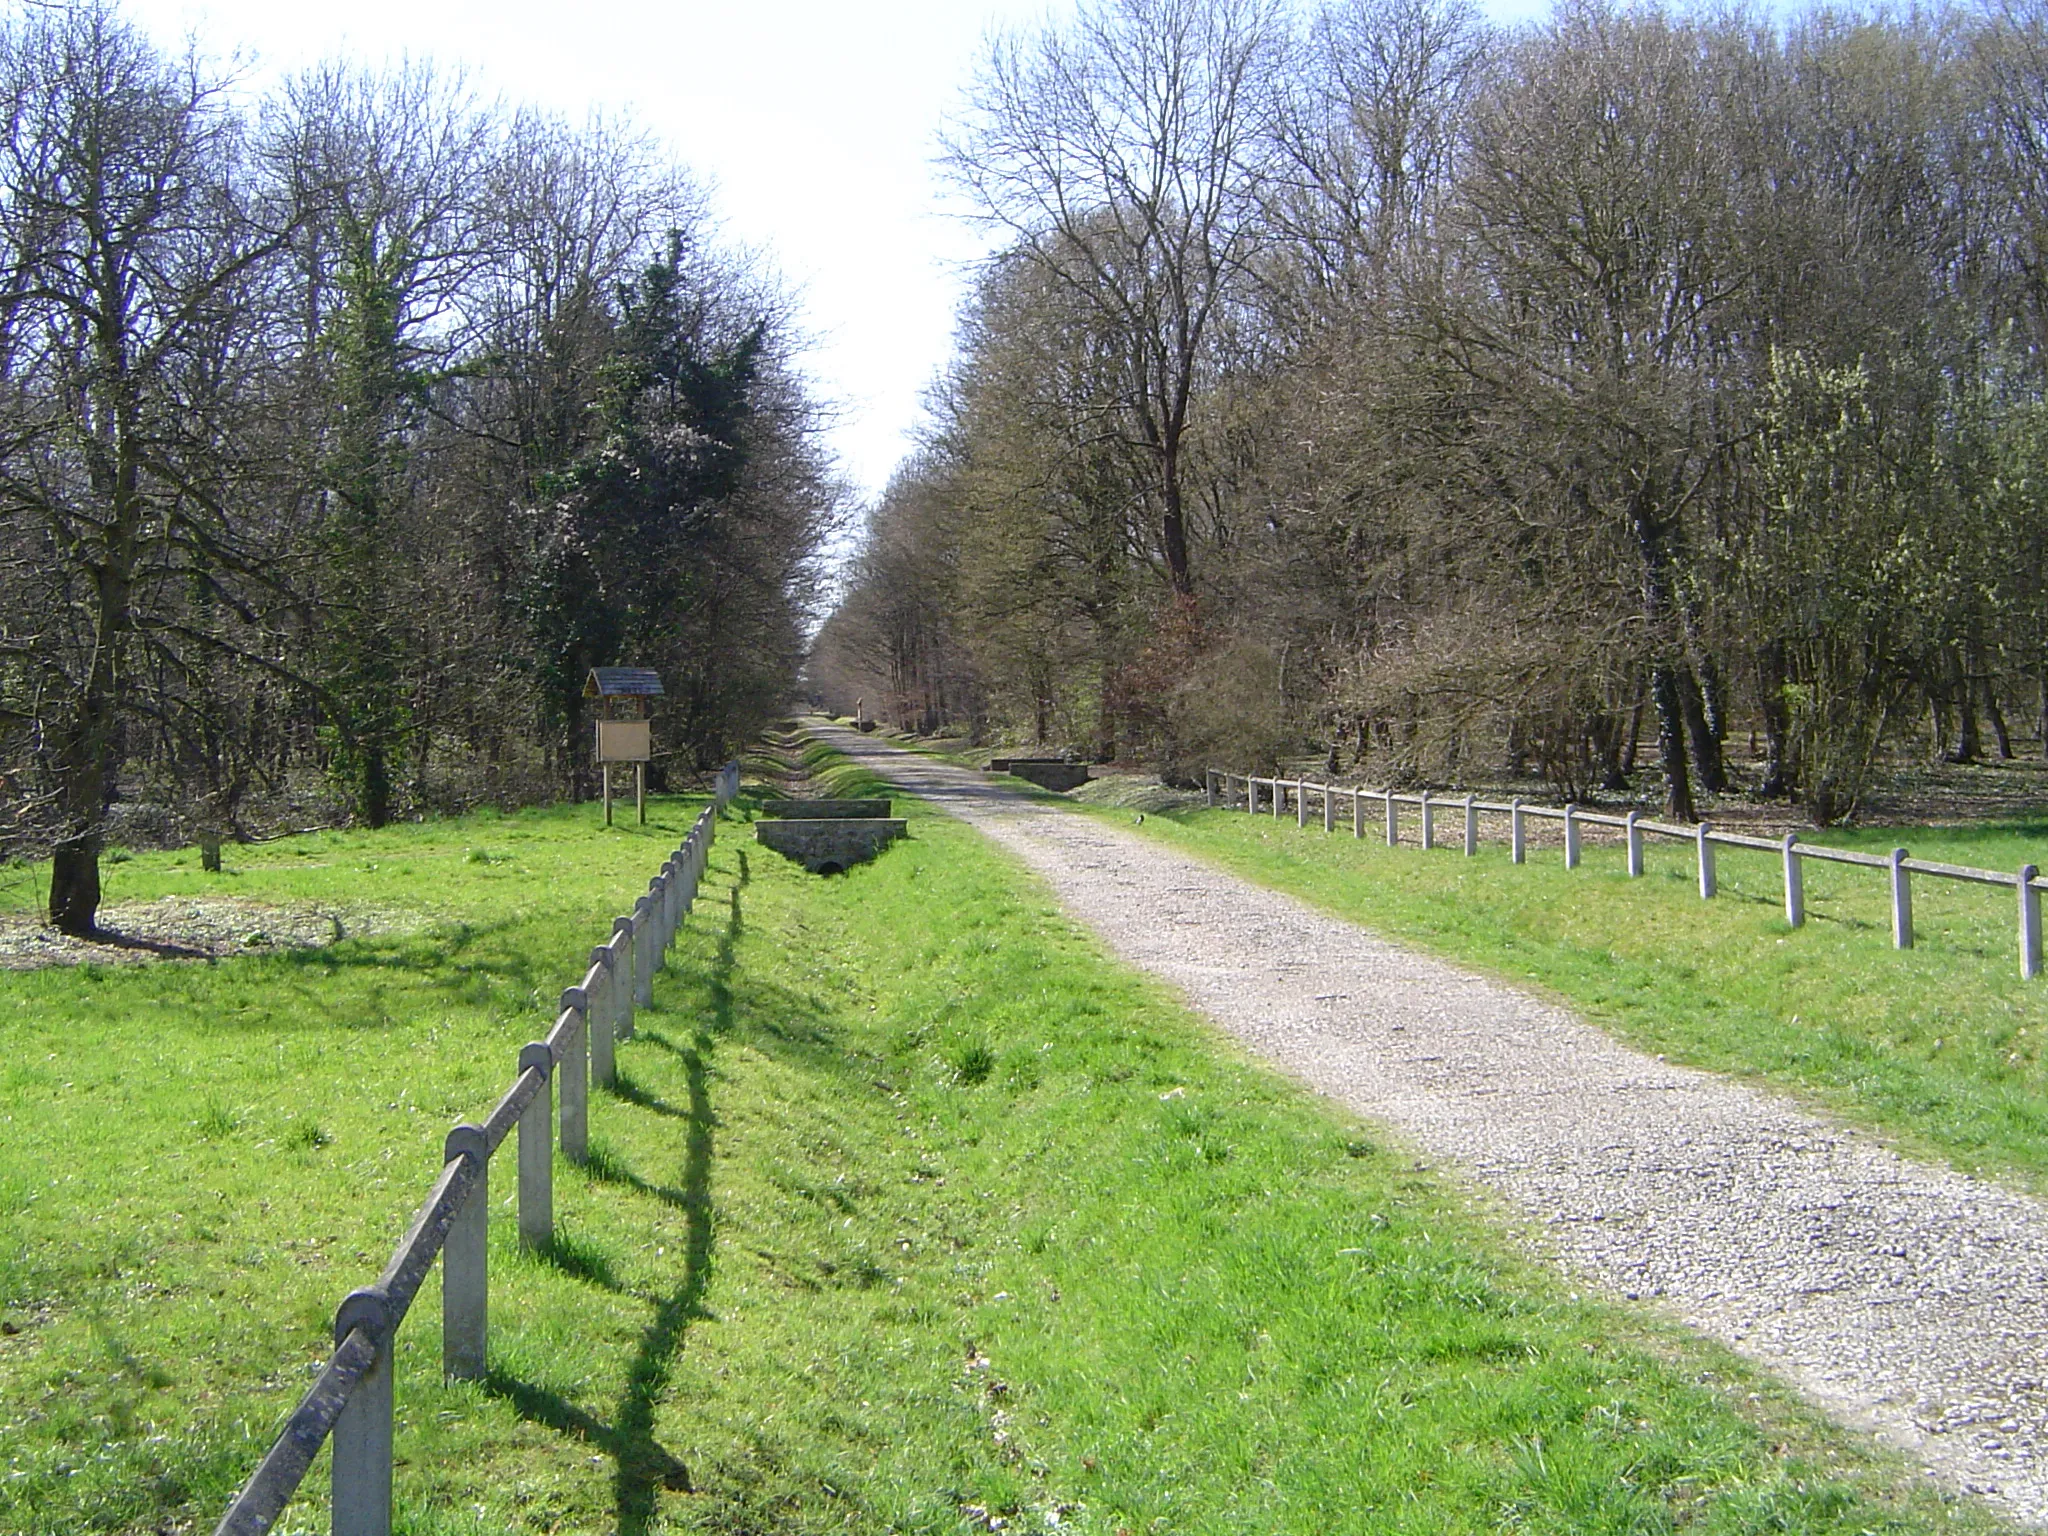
[[1126, 156], [130, 246]]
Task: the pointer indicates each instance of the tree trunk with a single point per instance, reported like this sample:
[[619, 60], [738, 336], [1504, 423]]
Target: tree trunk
[[1607, 750], [1999, 731], [1778, 777], [87, 754], [1173, 528], [75, 885], [1706, 747], [1714, 695], [376, 787], [1664, 694], [85, 770], [1969, 742]]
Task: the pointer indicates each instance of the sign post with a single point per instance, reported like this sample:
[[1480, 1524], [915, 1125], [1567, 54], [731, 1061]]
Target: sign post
[[624, 733]]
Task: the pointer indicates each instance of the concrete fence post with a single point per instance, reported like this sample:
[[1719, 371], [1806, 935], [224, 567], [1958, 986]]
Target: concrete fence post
[[603, 1062], [361, 1472], [1301, 802], [537, 1152], [1393, 819], [623, 972], [1208, 789], [1571, 837], [1902, 901], [1251, 796], [1471, 828], [1357, 813], [1518, 832], [1704, 841], [1279, 797], [1795, 882], [575, 1076], [1329, 810], [1635, 845], [2030, 923], [643, 954], [1428, 822], [465, 1260]]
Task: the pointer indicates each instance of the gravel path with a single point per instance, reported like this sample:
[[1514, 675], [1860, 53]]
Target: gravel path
[[1906, 1299]]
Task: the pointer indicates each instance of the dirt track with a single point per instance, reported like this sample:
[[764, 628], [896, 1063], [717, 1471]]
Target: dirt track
[[1905, 1298]]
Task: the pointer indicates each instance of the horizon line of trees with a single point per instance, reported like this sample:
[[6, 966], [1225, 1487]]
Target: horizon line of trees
[[1371, 381], [341, 433]]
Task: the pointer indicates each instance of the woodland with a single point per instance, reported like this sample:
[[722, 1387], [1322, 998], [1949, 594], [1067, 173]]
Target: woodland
[[342, 430], [1642, 397]]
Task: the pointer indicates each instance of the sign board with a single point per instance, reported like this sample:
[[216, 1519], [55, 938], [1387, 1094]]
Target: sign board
[[624, 741]]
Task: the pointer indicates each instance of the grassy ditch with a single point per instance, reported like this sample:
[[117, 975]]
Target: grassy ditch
[[913, 1212], [1941, 1045]]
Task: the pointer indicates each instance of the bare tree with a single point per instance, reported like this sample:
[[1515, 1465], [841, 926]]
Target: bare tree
[[128, 250], [1127, 157], [1368, 138]]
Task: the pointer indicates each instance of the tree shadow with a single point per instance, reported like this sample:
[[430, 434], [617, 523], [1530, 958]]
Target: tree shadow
[[163, 949], [778, 1019], [650, 1463], [625, 1089], [635, 1483], [642, 1468]]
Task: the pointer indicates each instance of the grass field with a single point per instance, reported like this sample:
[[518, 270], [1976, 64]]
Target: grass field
[[1941, 1045], [912, 1213]]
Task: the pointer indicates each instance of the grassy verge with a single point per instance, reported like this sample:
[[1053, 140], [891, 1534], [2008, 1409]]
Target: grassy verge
[[912, 1213], [197, 1161], [1941, 1045]]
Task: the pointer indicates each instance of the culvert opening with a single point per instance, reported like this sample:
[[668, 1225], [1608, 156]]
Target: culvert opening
[[829, 868]]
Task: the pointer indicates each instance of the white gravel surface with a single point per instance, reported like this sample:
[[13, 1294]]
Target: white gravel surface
[[1904, 1298]]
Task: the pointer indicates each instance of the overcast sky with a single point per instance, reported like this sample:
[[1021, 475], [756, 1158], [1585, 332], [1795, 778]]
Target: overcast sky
[[814, 123]]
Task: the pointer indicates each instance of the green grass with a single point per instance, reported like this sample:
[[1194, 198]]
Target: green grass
[[1940, 1046], [197, 1161], [913, 1212]]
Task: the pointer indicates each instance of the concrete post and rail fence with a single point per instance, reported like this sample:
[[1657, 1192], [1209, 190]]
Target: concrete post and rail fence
[[1272, 794], [352, 1399]]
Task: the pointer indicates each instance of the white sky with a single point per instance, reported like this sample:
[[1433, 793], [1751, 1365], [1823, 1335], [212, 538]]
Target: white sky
[[814, 123]]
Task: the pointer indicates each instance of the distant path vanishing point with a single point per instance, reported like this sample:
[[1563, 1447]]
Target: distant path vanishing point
[[1904, 1298]]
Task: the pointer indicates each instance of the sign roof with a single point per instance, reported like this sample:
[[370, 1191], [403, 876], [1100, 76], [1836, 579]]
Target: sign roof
[[623, 682]]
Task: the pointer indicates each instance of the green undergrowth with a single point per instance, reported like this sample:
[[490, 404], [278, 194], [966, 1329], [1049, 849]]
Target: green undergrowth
[[1941, 1045], [911, 1212]]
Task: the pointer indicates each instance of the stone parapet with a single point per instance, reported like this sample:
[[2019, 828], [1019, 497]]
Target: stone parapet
[[821, 810], [830, 845]]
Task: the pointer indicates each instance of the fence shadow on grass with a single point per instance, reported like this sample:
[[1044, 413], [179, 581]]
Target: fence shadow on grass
[[580, 1259], [642, 1468]]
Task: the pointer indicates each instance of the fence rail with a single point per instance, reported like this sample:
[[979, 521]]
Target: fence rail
[[1231, 789], [352, 1400]]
